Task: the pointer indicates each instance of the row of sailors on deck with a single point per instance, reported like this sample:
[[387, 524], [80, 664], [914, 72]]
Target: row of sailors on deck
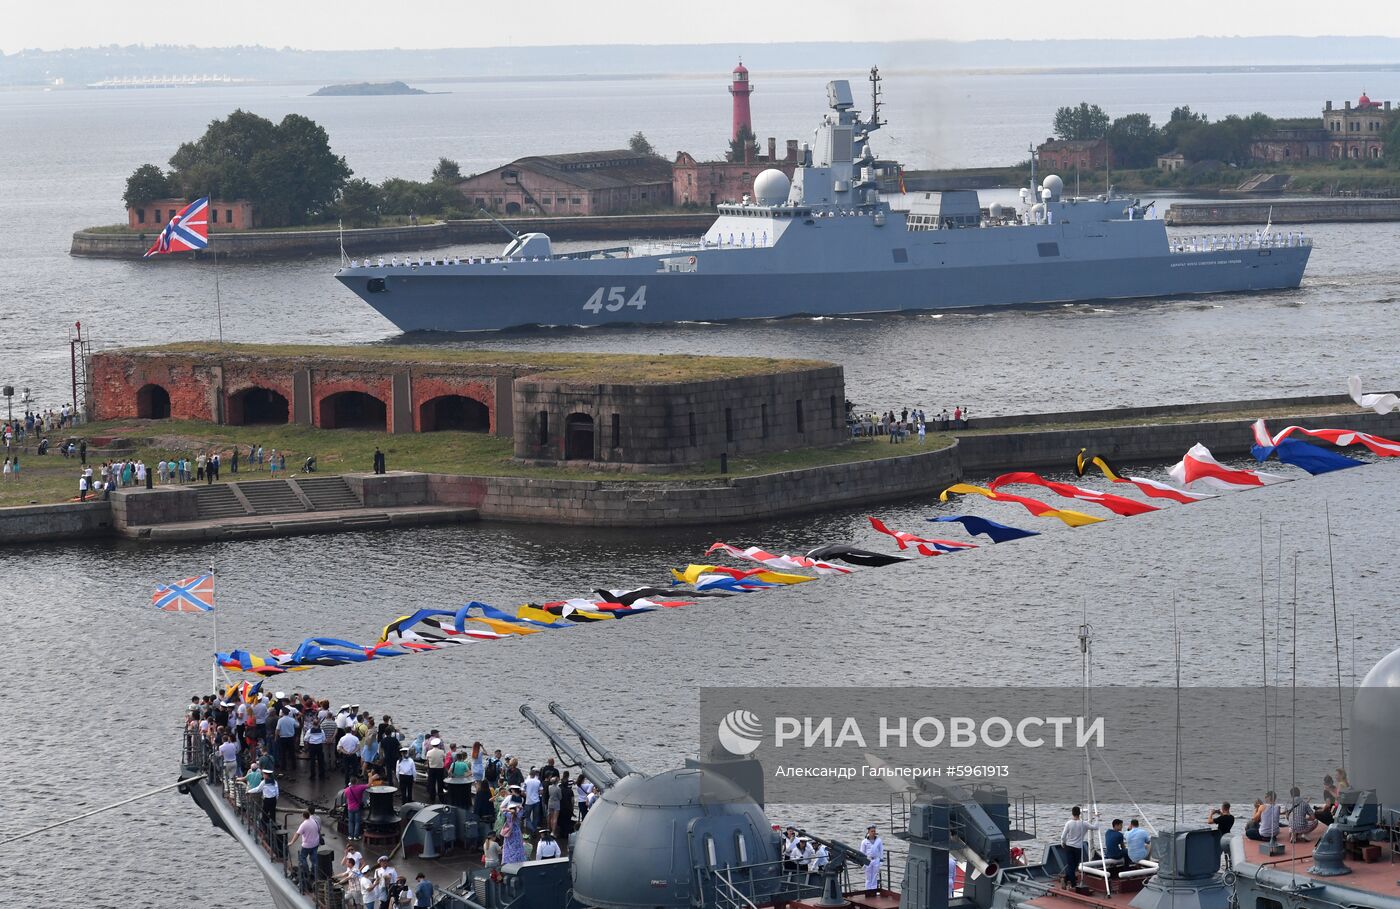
[[445, 260], [1258, 240]]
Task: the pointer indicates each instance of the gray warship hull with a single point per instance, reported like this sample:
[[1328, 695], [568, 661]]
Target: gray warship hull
[[941, 270]]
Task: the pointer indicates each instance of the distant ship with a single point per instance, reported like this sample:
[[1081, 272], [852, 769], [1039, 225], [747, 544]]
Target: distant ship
[[164, 81], [827, 243]]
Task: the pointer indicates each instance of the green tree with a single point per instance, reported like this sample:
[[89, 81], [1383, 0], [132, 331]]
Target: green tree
[[1135, 141], [403, 197], [359, 203], [641, 145], [286, 169], [146, 184], [1181, 123], [447, 171], [1087, 121], [1392, 145], [742, 142]]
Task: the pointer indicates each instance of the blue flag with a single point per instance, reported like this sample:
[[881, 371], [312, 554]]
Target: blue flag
[[999, 533], [1312, 458]]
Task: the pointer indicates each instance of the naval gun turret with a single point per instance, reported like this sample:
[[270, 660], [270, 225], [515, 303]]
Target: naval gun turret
[[682, 839]]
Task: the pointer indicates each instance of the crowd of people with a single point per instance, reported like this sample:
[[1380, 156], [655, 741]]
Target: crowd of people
[[522, 813], [1125, 847], [204, 467], [905, 424], [17, 433]]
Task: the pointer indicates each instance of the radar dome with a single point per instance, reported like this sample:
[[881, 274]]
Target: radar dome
[[771, 187], [1055, 185], [643, 837], [997, 210], [1375, 723]]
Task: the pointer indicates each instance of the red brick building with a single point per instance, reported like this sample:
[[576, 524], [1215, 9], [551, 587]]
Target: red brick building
[[335, 390], [1068, 154], [708, 183], [223, 214], [580, 183]]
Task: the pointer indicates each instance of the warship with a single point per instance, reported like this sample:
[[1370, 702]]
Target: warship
[[826, 242], [698, 837]]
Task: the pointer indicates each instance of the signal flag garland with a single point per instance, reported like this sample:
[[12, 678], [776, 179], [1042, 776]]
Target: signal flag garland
[[435, 629]]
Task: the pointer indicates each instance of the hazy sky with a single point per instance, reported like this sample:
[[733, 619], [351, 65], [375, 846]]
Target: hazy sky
[[360, 24]]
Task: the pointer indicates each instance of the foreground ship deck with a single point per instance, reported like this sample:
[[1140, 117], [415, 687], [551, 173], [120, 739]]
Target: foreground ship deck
[[827, 243]]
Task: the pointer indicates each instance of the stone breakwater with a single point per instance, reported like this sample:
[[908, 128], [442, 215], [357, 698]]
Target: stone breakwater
[[373, 241], [157, 514], [1302, 211]]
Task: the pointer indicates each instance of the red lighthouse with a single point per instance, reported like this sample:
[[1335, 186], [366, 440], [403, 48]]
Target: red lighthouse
[[741, 90]]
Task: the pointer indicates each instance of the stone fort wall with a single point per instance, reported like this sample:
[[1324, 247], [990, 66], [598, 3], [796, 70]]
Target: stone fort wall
[[678, 423]]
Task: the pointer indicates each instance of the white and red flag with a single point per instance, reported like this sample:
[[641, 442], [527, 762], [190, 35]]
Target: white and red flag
[[1342, 438], [1200, 466], [755, 554]]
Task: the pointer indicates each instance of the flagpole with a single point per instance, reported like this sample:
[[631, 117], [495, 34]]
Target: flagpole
[[218, 303], [214, 663]]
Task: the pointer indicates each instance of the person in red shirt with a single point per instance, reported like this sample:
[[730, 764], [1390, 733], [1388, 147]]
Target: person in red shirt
[[354, 802]]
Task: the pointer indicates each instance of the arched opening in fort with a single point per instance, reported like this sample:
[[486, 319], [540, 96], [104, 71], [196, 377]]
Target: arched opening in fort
[[258, 406], [457, 413], [512, 208], [578, 437], [353, 410], [153, 403]]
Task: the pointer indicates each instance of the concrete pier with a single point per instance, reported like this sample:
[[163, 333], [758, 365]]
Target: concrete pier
[[1257, 214], [283, 244]]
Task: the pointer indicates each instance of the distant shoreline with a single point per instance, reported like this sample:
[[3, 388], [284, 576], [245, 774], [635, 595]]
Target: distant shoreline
[[889, 70]]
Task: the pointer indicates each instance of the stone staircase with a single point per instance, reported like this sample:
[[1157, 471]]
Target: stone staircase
[[271, 497], [218, 502], [326, 493]]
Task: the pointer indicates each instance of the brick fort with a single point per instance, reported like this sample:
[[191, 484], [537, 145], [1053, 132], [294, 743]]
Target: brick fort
[[623, 410]]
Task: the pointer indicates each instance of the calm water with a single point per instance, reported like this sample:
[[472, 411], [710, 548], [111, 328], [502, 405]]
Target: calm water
[[92, 674]]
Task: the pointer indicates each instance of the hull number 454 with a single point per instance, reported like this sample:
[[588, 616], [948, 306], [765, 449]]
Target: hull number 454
[[614, 298]]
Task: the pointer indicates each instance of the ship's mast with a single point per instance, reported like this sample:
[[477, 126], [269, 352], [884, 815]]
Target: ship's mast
[[1031, 148], [875, 92]]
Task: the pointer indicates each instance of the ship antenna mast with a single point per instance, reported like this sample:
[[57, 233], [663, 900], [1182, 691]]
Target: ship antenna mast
[[875, 93]]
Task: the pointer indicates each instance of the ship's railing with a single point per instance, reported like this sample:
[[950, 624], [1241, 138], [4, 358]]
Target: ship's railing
[[760, 883], [1245, 241], [264, 829]]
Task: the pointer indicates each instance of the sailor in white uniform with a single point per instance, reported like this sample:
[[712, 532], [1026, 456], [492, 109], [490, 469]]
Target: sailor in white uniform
[[874, 849]]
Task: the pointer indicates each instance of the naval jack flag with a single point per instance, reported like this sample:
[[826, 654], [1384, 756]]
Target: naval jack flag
[[188, 230]]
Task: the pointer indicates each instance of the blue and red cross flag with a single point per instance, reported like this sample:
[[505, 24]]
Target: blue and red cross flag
[[189, 595], [188, 230]]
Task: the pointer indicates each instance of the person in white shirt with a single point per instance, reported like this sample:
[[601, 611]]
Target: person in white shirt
[[1075, 838], [532, 787], [348, 750], [406, 770], [584, 790], [228, 750], [874, 849], [548, 846], [269, 790], [385, 877]]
